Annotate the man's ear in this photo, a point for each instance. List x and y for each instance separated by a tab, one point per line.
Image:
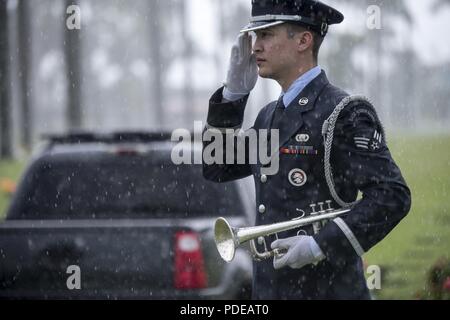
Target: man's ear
305	41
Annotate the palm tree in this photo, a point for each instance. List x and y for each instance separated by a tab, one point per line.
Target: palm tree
72	47
157	58
5	107
25	53
188	52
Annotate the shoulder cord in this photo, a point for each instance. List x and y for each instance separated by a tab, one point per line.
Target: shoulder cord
328	135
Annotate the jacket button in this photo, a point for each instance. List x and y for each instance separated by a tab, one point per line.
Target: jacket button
262	208
263	178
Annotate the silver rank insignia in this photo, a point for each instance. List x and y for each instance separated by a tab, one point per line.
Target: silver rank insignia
369	144
362	142
375	144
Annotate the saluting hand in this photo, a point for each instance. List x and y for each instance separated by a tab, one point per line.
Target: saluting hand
242	72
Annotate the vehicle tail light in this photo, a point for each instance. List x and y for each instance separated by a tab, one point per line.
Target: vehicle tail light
189	264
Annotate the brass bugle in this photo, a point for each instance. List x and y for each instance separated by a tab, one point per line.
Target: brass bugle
228	239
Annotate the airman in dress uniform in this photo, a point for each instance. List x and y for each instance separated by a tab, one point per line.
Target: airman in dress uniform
332	147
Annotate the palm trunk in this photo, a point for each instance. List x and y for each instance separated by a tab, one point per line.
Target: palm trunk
25	49
5	106
72	47
155	55
188	92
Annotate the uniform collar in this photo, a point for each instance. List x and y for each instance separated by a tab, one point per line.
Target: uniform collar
292	119
306	99
298	85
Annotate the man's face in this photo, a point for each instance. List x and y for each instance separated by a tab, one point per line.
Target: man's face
276	53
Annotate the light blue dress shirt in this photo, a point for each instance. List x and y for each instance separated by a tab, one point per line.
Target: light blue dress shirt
298	85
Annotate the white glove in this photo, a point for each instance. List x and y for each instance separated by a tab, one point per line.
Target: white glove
242	71
301	251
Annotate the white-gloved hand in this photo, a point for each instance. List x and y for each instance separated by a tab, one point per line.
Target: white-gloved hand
242	71
301	251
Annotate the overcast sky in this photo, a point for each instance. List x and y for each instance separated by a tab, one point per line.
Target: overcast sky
430	34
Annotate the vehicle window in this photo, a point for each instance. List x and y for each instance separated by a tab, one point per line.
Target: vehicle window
127	187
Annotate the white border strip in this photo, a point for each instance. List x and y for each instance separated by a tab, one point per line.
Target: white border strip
350	236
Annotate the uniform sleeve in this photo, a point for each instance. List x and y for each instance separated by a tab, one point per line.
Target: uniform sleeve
223	116
361	161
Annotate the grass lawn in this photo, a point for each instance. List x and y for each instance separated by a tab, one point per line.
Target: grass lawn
406	255
10	171
422	237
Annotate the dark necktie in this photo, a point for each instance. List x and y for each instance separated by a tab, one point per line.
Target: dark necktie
278	114
276	120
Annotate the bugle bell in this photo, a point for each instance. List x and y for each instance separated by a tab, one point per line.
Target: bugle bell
228	239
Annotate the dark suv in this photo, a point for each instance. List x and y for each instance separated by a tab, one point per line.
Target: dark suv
134	224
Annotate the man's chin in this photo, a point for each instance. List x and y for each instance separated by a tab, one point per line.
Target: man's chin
264	74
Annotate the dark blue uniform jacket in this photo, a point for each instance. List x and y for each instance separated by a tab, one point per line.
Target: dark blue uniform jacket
361	162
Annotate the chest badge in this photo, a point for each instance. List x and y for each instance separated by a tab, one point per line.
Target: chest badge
302	138
303	101
297	177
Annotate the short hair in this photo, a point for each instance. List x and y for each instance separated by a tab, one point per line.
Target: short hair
293	29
